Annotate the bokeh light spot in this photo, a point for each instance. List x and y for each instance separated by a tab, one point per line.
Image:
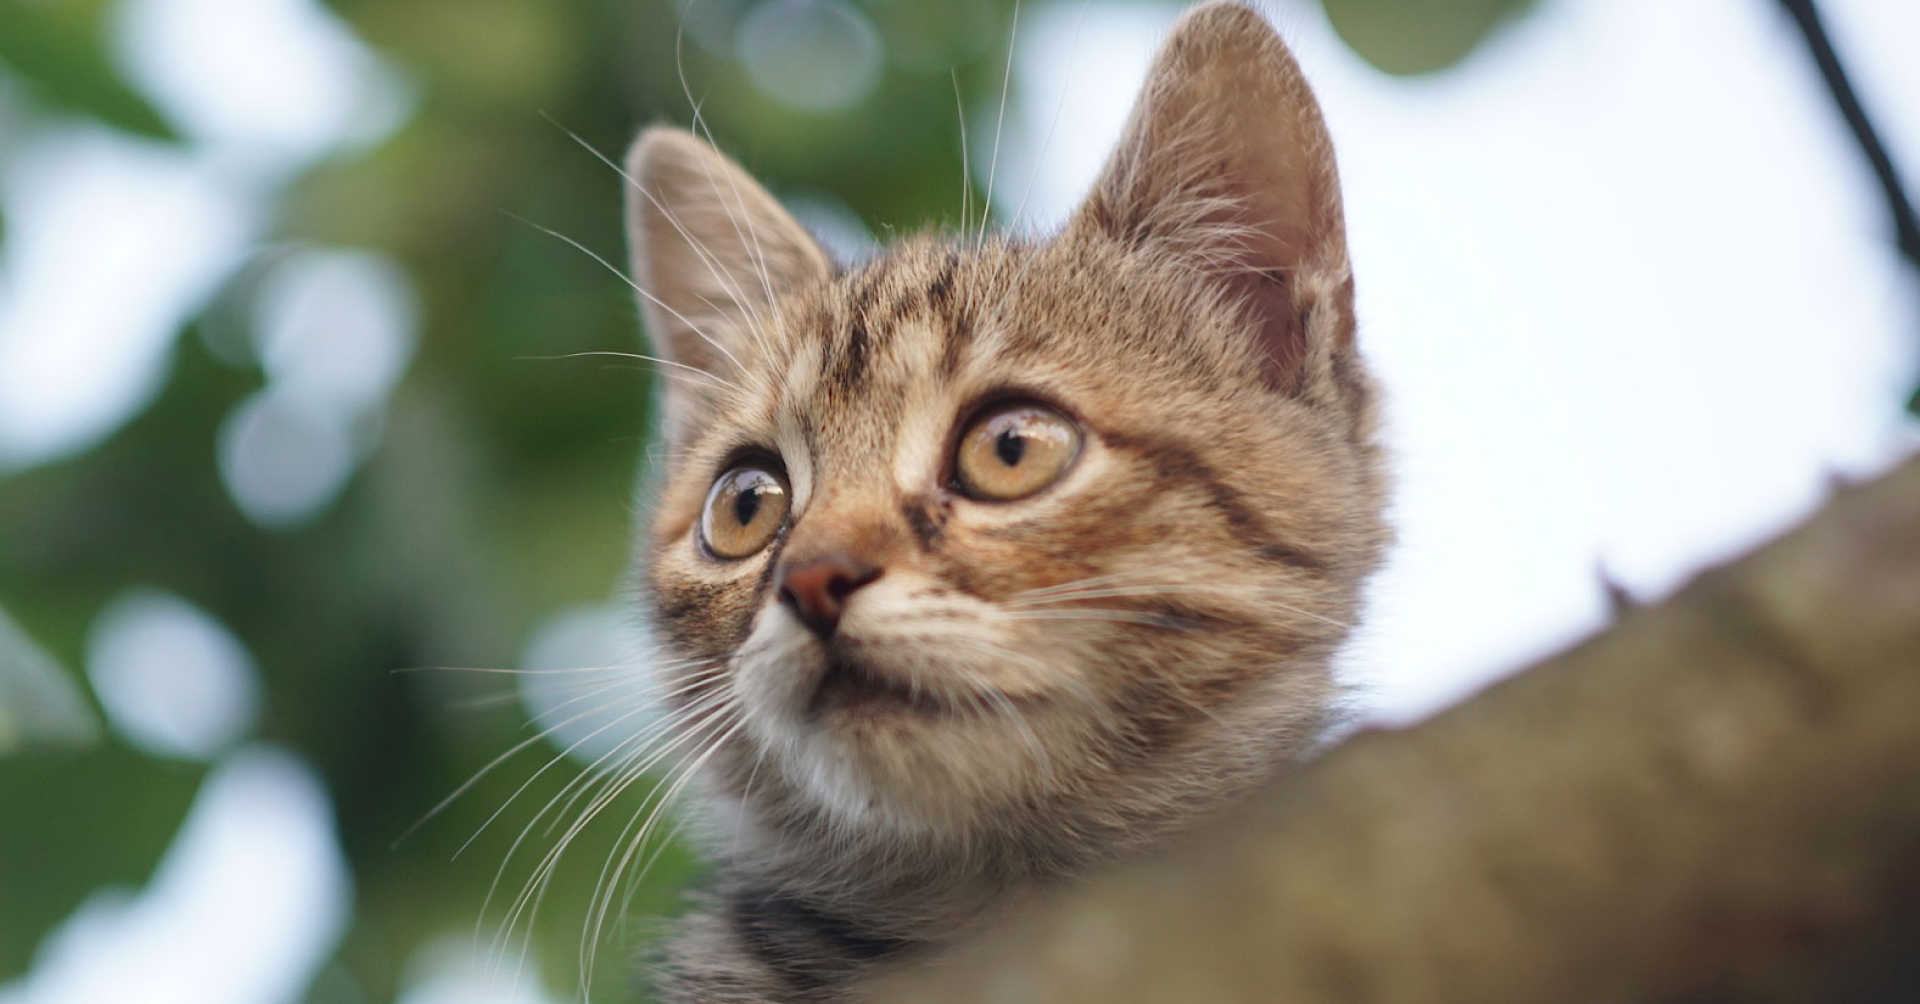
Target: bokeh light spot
452	971
283	459
814	55
172	679
277	82
110	243
335	327
587	677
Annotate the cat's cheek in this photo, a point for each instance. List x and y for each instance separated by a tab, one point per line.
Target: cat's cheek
778	666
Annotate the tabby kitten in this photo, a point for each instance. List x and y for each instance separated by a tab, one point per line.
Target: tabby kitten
990	560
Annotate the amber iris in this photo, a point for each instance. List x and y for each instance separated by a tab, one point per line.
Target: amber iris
1011	451
745	509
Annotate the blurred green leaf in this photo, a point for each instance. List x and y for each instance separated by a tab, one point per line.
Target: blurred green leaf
60	48
101	817
497	489
39	703
1407	37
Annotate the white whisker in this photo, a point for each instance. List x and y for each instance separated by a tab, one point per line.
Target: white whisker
587	778
759	254
526	903
642	358
1066	84
966	167
636	287
1102	616
503	758
583	740
706	256
993	166
610	882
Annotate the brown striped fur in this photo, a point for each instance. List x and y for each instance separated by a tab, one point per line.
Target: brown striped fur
1195	318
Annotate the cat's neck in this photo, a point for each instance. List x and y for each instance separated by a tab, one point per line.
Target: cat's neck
860	896
912	889
780	929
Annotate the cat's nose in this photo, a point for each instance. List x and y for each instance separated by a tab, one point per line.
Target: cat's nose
816	590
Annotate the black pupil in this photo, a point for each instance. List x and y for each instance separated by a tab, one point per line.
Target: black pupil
746	505
1010	447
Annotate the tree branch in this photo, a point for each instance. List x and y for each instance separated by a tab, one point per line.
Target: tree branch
1716	800
1905	225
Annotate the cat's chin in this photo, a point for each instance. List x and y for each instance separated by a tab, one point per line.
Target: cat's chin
902	738
851	687
877	753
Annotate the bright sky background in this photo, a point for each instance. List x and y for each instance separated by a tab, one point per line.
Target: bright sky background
1623	274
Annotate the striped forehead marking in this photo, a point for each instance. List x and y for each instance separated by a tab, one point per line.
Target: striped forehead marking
867	382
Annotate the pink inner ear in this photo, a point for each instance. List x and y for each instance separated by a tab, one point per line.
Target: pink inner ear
1282	329
1278	225
1283	180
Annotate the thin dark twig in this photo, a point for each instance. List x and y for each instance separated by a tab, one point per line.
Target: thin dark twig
1906	226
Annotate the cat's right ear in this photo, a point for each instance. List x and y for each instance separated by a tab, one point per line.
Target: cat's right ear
711	252
1226	166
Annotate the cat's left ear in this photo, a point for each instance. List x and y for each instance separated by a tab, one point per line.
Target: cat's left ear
711	252
1226	164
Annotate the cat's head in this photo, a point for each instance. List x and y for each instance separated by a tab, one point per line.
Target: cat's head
995	538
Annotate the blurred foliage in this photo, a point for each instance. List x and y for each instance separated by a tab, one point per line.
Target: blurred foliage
40	705
101	817
57	48
501	488
1407	37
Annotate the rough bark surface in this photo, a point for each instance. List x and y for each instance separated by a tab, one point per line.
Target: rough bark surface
1718	799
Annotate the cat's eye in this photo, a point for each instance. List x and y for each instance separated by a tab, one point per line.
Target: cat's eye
1013	450
745	508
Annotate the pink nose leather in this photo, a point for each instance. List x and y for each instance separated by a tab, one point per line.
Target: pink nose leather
816	590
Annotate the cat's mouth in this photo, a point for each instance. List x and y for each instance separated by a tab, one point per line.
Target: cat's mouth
848	684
